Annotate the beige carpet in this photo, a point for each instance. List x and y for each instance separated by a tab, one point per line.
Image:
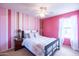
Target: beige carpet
20	52
64	51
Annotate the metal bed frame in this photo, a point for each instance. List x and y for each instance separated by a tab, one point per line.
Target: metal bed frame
52	51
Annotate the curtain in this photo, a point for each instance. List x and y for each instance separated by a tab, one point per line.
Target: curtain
74	34
68	28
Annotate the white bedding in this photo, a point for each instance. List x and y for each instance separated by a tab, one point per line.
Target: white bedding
36	45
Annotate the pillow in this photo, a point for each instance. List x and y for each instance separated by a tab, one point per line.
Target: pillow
37	34
32	35
27	35
27	31
34	31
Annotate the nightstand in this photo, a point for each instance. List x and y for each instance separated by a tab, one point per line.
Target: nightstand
18	44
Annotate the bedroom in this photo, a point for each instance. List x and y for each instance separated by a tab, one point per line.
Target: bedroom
50	20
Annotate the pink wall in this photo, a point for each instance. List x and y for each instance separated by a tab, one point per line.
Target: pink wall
9	28
10	21
78	28
24	21
51	25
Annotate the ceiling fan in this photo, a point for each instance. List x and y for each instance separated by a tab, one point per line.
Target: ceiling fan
43	11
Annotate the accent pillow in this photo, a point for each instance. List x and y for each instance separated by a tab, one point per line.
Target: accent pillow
27	35
37	34
32	35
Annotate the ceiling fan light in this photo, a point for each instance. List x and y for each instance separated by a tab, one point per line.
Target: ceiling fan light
42	15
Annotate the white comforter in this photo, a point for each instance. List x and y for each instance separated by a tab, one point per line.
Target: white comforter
36	45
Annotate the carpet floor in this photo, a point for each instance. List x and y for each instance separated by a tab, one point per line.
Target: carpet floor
64	51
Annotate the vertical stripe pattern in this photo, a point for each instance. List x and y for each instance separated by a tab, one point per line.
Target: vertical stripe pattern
10	21
9	28
3	29
18	20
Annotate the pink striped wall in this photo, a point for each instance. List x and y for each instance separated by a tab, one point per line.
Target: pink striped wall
3	29
13	27
24	22
10	21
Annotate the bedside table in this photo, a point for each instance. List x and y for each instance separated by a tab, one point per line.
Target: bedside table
18	44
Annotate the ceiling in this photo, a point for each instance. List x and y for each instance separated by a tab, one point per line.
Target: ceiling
32	9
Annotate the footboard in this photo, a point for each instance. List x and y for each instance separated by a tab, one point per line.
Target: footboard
52	47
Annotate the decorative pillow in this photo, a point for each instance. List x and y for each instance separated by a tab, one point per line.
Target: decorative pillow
34	31
27	35
37	34
32	35
27	31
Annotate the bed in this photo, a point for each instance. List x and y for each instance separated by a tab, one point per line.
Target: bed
41	46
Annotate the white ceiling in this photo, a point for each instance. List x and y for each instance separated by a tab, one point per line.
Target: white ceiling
53	9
